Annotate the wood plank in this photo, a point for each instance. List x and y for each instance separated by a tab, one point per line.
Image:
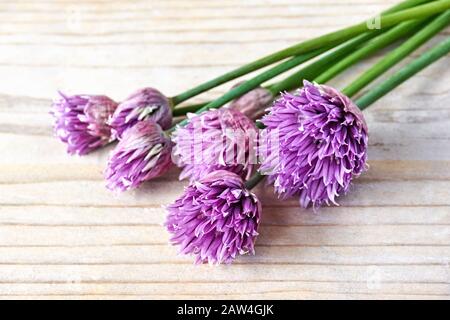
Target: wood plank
64	215
269	235
178	273
300	255
226	290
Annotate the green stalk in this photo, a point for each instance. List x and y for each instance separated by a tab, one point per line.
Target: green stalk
254	180
294	81
330	39
309	72
376	44
320	65
256	81
291	81
181	111
398	54
404	74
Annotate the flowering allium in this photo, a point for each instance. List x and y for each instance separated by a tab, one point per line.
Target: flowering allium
215	219
254	103
143	153
214	140
322	144
144	104
81	121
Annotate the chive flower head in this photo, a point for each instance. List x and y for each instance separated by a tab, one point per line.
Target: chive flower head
322	138
144	104
218	139
143	153
80	121
216	219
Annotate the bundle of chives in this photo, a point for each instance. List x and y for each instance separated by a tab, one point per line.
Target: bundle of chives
216	218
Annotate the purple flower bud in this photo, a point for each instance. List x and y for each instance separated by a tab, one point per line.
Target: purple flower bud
219	139
144	104
81	121
143	153
253	103
215	219
322	144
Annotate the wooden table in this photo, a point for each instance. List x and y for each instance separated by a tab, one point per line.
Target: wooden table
63	235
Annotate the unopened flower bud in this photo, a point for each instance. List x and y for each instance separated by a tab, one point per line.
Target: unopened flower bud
145	104
81	121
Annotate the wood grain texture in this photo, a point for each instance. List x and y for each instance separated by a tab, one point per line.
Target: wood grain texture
62	235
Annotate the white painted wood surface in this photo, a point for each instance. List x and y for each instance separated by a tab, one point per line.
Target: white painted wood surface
62	235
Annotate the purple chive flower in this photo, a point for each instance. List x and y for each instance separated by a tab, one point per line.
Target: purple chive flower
144	104
253	103
143	153
215	219
81	121
322	144
215	140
